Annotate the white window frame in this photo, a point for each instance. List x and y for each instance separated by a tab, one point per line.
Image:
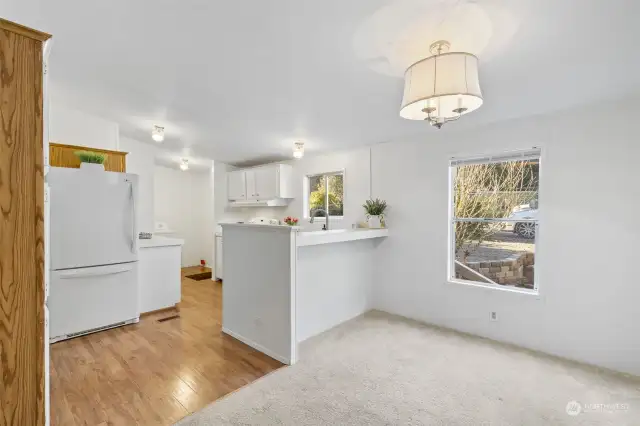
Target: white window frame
305	195
530	154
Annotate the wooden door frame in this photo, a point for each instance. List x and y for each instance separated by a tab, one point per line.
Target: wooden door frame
22	378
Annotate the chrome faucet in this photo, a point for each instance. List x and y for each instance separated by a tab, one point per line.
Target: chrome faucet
326	216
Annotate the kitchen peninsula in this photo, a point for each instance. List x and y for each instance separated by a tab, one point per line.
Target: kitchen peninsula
283	285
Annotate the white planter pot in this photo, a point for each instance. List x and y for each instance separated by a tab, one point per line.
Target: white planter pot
374	222
92	166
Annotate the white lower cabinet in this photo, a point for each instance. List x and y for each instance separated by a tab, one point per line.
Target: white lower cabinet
160	279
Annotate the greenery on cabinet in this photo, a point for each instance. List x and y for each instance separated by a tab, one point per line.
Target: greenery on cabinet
91	157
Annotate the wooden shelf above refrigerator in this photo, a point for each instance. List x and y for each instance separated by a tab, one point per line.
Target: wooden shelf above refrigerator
61	155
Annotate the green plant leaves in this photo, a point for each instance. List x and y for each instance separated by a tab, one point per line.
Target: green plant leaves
91	157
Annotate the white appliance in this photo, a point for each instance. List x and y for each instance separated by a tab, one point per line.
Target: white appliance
263	221
94	251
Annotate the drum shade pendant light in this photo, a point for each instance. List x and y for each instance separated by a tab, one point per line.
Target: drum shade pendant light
442	87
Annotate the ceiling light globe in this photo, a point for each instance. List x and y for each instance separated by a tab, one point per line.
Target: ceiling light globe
157	134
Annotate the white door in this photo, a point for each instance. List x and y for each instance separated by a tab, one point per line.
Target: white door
251	184
88	298
93	218
266	182
236	188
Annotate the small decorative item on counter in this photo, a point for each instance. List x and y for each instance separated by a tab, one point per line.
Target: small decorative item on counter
291	221
374	210
91	160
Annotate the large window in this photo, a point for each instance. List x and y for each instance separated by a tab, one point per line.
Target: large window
494	219
325	194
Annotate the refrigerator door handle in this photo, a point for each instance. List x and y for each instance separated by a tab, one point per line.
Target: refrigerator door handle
134	237
94	272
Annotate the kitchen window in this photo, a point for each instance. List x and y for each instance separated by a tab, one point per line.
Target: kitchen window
324	193
493	223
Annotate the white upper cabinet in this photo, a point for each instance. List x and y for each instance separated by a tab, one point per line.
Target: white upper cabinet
236	187
263	183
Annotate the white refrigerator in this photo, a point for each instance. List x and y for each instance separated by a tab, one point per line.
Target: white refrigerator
94	251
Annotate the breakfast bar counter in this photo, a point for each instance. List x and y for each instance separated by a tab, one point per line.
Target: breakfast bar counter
284	285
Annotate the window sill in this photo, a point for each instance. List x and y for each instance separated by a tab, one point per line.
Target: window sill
528	292
322	219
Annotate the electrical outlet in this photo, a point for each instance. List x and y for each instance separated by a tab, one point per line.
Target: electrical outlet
493	316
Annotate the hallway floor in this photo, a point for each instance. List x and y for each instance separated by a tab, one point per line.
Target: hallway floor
153	373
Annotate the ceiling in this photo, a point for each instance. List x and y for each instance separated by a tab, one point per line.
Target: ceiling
239	81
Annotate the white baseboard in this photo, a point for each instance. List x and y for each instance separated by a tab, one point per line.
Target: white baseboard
257	346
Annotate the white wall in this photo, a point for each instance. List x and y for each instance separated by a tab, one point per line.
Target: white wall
334	283
589	301
74	127
184	201
258	296
140	161
355	164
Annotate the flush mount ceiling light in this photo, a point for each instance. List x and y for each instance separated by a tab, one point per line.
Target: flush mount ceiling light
184	165
442	87
298	149
157	134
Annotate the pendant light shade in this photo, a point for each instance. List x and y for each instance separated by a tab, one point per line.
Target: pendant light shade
441	88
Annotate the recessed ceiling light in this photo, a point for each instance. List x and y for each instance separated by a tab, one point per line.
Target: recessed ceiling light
157	134
298	149
184	165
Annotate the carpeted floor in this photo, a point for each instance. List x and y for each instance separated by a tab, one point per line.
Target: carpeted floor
383	370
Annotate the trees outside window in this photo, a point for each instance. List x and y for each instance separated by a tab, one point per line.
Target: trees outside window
326	190
494	218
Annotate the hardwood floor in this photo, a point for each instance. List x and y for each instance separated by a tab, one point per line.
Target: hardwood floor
153	373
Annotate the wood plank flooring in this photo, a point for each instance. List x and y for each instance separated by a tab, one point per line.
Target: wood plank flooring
153	373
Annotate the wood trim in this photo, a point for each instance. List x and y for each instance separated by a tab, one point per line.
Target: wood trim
87	148
61	155
21	230
23	31
159	311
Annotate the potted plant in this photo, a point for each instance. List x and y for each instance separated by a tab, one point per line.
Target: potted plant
291	221
374	210
91	160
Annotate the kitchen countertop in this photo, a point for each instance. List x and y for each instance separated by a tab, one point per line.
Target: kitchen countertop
158	241
312	238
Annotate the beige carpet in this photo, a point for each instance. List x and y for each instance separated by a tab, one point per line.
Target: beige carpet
384	370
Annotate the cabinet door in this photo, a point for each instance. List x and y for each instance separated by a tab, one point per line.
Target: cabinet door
252	188
266	179
236	188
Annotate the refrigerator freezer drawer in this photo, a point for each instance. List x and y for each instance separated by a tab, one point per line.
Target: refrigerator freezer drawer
89	298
